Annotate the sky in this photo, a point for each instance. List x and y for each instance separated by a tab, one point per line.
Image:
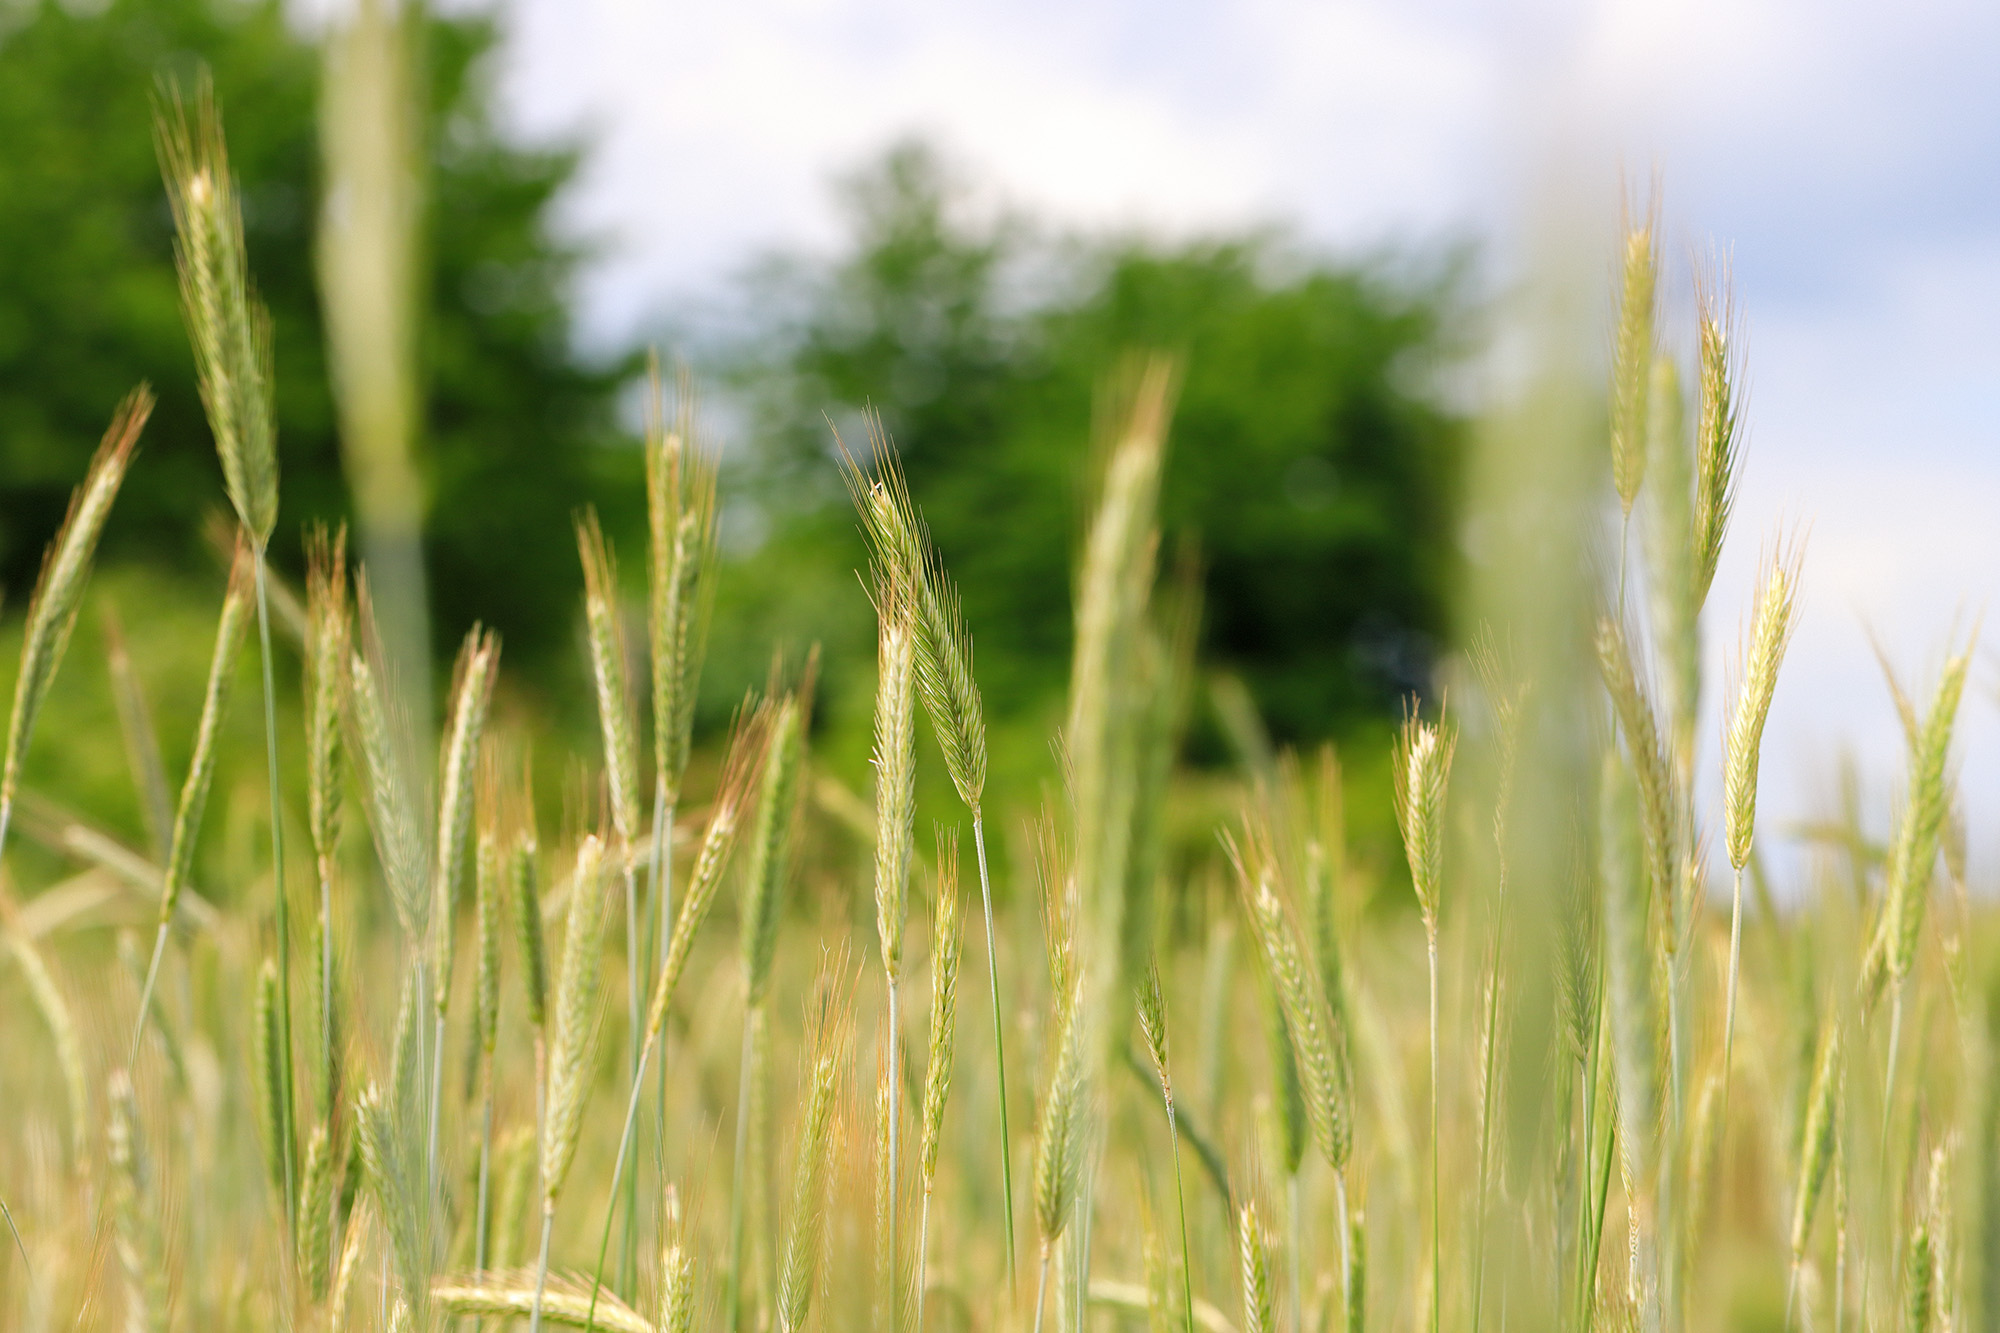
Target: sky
1842	153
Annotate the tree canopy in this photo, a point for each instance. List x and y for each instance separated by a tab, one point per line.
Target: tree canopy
1311	469
513	417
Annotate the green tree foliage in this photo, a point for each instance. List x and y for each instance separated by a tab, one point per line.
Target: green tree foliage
512	417
1312	463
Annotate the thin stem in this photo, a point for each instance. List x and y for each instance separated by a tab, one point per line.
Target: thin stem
1603	1200
1889	1084
1624	536
895	1107
437	1101
636	962
733	1295
1349	1297
1491	1054
326	976
542	1264
283	920
1791	1293
923	1251
479	1220
617	1174
1588	1218
146	993
1298	1250
1041	1287
1729	1004
1437	1228
1180	1203
999	1048
663	916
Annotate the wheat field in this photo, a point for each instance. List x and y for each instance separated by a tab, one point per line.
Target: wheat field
725	1047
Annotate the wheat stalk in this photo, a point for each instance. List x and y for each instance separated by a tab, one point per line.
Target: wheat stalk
1422	768
895	818
229	632
1153	1024
742	761
942	665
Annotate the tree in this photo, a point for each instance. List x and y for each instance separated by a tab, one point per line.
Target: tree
513	419
1312	466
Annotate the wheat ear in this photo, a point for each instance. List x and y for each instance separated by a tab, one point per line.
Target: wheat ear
676	1289
1717	443
1632	357
135	1232
1059	1145
828	1019
1816	1149
378	744
573	1053
1771	631
329	644
947	935
1254	1254
58	595
895	819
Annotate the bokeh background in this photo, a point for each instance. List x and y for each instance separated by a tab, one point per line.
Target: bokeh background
963	217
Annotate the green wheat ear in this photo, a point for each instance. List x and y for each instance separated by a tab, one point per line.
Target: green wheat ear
228	325
58	596
1632	357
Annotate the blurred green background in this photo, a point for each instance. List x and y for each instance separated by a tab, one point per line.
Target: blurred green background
1311	480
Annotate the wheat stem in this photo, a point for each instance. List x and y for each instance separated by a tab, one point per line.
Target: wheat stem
923	1251
617	1174
282	923
637	960
1295	1242
481	1213
542	1265
1729	1001
1437	1229
733	1291
895	1102
1042	1286
999	1042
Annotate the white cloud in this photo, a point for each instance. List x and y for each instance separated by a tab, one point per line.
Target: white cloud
1842	147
